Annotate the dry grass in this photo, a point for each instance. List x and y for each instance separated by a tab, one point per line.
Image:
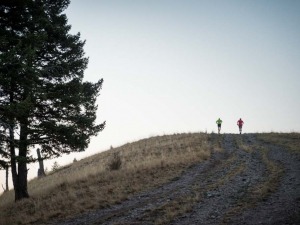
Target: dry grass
241	145
216	141
112	176
172	209
275	172
92	183
289	141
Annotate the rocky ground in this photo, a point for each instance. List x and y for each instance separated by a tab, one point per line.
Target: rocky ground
250	182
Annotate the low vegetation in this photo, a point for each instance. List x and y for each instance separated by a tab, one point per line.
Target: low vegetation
113	176
289	141
107	178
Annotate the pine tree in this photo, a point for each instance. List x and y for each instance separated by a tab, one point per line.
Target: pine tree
43	97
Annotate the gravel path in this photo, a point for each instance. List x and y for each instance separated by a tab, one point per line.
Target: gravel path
222	190
283	205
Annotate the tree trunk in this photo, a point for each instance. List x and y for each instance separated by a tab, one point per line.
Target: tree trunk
6	188
13	156
21	188
20	176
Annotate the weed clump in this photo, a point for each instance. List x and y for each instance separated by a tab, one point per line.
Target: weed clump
116	162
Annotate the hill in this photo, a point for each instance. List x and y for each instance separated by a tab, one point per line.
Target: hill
180	179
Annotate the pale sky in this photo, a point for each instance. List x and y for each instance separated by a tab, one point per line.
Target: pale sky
173	66
176	66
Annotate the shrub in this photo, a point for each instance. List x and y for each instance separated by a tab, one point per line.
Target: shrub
116	162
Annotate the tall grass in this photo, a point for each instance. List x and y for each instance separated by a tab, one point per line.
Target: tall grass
97	182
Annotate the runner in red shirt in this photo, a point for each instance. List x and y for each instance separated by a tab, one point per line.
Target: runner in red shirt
240	123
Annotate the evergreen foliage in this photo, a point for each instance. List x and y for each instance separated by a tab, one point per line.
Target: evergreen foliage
43	97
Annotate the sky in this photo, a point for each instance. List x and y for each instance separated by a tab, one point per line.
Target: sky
175	66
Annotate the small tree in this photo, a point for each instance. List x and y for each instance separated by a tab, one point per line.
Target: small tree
55	166
41	170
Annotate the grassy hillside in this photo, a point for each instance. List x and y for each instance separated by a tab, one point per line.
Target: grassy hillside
107	178
113	176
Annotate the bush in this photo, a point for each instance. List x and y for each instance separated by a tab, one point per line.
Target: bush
116	162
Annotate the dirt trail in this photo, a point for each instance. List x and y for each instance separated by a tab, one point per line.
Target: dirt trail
237	186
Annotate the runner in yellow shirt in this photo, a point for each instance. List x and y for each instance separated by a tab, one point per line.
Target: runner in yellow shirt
219	123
